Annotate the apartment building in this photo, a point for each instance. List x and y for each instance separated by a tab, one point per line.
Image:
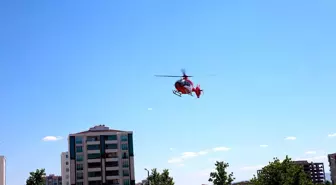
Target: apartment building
315	170
53	180
101	156
65	168
2	170
332	165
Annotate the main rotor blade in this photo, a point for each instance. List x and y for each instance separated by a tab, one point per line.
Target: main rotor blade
167	76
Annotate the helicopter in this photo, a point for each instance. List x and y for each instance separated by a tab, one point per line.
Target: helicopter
184	85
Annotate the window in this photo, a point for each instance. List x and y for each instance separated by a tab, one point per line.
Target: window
112	146
79	140
112	182
79	175
69	184
66	156
94	174
125	173
112	164
125	164
79	166
79	158
94	156
92	138
67	170
93	147
78	183
67	163
126	182
79	149
95	182
124	146
112	173
110	138
94	165
125	156
124	138
112	155
67	176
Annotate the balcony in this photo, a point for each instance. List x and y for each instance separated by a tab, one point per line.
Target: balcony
111	141
112	177
94	178
112	168
93	151
93	160
111	150
89	142
111	159
94	169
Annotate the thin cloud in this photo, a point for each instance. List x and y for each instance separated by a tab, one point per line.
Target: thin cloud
187	155
217	149
204	152
290	138
150	109
332	135
263	146
310	152
52	138
175	160
252	168
171	149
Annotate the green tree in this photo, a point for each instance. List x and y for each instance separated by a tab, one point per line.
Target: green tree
327	182
282	173
37	177
157	178
220	176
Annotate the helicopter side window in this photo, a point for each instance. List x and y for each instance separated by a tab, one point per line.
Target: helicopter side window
186	83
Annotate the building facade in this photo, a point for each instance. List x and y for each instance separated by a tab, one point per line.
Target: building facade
53	180
101	156
332	165
2	170
65	168
314	170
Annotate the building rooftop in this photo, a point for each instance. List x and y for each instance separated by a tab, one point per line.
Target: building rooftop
100	128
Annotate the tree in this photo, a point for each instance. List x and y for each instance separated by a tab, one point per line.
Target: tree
220	176
157	178
37	177
327	182
282	173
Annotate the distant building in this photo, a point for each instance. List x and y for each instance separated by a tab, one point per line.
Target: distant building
53	180
65	168
332	165
314	170
2	170
143	182
242	183
101	156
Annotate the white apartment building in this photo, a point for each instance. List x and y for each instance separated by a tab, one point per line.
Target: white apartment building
2	170
101	156
65	168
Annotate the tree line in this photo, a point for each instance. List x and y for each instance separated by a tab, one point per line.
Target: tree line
277	172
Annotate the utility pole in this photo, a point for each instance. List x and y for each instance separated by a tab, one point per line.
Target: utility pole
147	176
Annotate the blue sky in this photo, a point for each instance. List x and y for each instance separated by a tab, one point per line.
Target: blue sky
68	65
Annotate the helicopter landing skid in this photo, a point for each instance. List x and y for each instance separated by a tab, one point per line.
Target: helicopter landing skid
177	93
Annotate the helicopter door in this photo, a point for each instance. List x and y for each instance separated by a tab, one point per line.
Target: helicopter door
187	85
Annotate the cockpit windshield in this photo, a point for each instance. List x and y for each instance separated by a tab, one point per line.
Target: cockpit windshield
185	82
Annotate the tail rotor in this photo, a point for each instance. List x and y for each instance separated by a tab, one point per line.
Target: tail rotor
198	91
